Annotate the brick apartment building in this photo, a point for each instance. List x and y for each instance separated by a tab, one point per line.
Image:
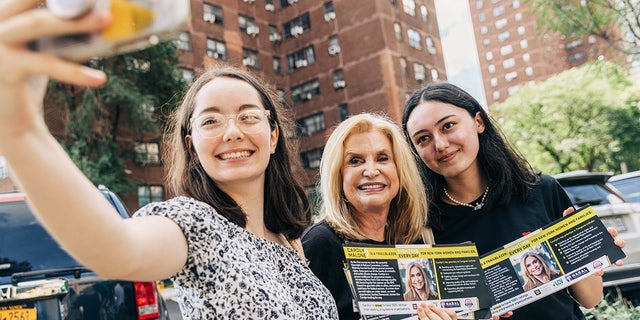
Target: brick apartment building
512	52
327	59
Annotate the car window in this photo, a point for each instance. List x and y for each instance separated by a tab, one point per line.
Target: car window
592	194
25	245
630	187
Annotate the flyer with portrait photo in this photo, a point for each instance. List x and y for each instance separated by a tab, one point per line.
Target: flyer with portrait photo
388	282
548	260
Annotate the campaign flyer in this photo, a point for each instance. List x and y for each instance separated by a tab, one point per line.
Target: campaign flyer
388	281
548	260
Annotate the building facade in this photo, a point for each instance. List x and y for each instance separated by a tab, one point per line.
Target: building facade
513	52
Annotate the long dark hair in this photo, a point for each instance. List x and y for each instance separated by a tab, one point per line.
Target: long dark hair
287	208
509	174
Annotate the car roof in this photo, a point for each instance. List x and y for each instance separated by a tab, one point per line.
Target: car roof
582	176
625	175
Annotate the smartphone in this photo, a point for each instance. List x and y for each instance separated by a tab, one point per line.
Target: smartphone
135	25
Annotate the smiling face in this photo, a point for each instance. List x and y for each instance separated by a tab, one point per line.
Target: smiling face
534	266
234	156
446	137
370	178
417	278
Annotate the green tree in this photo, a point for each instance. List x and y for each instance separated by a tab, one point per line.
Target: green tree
142	87
584	118
615	21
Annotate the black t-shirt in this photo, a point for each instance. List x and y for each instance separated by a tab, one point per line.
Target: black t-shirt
492	228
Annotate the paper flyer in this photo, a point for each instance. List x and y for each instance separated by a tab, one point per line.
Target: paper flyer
548	260
389	281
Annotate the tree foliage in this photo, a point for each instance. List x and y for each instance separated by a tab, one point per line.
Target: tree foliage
584	118
141	87
615	21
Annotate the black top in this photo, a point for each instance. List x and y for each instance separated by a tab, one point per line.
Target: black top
492	228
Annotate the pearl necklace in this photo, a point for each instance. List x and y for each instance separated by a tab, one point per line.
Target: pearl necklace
475	207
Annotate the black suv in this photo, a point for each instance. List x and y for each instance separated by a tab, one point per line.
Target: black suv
39	280
593	188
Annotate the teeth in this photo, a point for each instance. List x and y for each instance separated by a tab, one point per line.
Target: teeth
235	155
374	186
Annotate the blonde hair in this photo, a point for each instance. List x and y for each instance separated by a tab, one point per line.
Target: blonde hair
411	293
408	209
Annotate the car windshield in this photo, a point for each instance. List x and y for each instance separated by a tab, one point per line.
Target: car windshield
25	245
592	194
630	187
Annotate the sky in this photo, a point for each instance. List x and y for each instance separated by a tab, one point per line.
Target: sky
459	47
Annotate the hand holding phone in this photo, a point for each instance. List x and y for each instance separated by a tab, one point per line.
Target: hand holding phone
136	24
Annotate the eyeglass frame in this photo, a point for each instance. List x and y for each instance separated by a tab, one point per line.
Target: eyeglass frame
227	117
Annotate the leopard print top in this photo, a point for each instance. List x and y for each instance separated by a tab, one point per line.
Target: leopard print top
232	274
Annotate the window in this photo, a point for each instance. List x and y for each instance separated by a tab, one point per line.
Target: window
184	41
489	55
528	71
479	4
212	14
305	91
526	57
403	67
524	44
577	56
297	26
311	159
311	124
398	31
424	12
511	76
501	23
250	58
518	16
494	82
274	35
343	111
409	7
499	10
334	45
521	30
187	74
502	36
148	194
277	65
486	42
430	46
147	153
508	49
301	58
286	3
434	74
484	30
338	79
216	49
414	39
509	63
511	90
4	169
496	95
516	4
247	25
418	72
574	44
491	68
482	17
329	12
282	96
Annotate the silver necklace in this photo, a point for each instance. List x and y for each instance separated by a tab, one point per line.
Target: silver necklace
475	207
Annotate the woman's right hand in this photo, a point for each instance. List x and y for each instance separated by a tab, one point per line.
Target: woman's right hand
428	311
24	73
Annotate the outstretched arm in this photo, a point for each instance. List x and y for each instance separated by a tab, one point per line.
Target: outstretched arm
66	202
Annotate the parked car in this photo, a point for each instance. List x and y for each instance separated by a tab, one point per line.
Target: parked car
39	280
629	184
593	188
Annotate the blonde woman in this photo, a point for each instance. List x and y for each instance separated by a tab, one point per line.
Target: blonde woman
417	284
535	271
372	193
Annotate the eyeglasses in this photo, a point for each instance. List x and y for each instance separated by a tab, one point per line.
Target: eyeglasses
212	124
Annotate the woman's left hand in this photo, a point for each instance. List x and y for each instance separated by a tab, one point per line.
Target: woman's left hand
428	311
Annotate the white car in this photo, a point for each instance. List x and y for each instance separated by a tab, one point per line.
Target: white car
628	184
